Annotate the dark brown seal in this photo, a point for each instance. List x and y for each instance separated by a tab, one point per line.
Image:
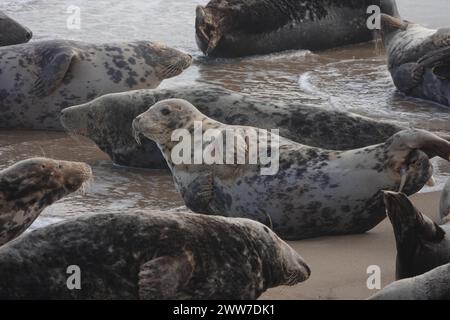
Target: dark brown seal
149	256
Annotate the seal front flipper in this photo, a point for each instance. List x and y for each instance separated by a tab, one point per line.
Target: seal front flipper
199	194
408	76
164	277
439	62
54	63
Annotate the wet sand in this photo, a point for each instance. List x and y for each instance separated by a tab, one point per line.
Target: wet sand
339	264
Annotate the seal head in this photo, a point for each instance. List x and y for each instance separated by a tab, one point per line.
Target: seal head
29	186
12	32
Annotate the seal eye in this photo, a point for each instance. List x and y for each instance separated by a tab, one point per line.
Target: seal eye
43	166
165	111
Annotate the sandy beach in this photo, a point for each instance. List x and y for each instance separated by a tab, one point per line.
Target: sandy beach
343	274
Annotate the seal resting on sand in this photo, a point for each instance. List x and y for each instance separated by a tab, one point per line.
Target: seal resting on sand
422	245
153	256
39	79
29	186
107	121
304	191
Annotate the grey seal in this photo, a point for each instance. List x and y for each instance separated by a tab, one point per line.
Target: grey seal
12	32
236	28
39	79
422	245
107	121
31	185
149	256
433	285
418	59
315	192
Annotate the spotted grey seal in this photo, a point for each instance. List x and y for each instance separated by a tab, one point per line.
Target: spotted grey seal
315	192
421	244
39	79
445	202
12	32
149	256
107	121
418	58
235	28
29	186
433	285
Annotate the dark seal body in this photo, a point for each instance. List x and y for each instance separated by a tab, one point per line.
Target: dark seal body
315	192
29	186
422	245
418	58
107	121
433	285
39	79
12	32
236	28
149	256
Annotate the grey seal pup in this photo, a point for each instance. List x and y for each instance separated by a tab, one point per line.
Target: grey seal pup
31	185
12	32
236	28
107	121
312	192
155	256
433	285
422	245
39	79
418	59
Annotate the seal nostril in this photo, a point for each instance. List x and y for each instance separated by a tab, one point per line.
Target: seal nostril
29	35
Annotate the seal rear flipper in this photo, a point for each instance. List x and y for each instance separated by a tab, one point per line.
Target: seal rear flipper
208	29
54	65
162	278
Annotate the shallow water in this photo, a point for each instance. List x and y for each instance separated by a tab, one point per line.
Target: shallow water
353	78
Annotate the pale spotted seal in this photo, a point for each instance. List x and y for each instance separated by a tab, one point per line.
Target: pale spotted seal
107	121
29	186
418	58
433	285
38	80
12	32
421	244
445	202
149	256
315	192
235	28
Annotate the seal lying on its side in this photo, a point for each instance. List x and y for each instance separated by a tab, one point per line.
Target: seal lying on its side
419	59
236	28
315	192
12	32
29	186
149	256
421	244
445	202
433	285
39	79
107	121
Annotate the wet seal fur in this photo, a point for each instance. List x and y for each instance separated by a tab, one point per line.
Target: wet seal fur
236	28
12	32
107	121
445	203
316	192
39	79
150	256
422	245
418	58
29	186
433	285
